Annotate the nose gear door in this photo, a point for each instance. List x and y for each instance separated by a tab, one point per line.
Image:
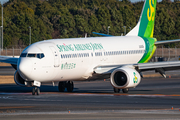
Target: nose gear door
56	56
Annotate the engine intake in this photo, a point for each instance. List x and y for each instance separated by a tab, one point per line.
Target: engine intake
120	78
125	77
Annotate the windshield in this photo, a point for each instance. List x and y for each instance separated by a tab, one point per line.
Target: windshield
33	55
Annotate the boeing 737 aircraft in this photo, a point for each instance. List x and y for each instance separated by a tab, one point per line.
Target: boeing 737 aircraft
120	58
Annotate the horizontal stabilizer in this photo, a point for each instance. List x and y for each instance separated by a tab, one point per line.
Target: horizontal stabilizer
166	42
102	34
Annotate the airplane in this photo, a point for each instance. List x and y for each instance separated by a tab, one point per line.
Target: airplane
120	58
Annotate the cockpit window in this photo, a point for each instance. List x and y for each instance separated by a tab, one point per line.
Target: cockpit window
23	55
33	55
40	55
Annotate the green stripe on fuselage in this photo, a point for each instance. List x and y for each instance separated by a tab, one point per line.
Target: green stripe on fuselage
150	49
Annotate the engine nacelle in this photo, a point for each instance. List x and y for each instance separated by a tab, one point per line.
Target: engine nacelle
20	81
125	77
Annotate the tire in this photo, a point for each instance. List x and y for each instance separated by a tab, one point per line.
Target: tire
38	91
33	91
126	90
70	86
61	86
116	90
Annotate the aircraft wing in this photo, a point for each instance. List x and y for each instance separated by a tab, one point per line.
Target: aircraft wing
160	67
10	60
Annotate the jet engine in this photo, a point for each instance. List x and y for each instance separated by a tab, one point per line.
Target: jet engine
125	77
20	81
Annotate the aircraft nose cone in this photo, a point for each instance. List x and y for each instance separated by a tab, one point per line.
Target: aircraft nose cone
24	68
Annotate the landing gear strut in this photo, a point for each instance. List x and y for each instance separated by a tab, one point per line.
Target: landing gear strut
69	85
36	91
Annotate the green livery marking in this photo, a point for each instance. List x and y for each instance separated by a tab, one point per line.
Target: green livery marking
146	28
135	79
68	66
150	49
79	47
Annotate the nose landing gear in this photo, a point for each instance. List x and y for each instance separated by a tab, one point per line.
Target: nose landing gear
36	91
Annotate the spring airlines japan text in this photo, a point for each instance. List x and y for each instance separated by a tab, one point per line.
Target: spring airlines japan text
80	47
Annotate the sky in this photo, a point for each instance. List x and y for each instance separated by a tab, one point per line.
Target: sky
3	1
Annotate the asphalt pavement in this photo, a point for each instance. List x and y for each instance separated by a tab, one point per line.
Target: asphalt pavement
156	98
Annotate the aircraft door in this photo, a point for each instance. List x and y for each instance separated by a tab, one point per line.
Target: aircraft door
56	56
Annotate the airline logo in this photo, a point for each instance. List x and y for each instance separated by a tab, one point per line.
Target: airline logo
146	28
68	66
151	11
135	79
79	47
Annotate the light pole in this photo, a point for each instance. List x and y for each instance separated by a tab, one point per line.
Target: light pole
124	30
29	35
108	30
2	27
1	37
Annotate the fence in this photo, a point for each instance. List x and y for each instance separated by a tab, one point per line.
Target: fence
11	52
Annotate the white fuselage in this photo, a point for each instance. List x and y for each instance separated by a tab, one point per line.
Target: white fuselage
75	59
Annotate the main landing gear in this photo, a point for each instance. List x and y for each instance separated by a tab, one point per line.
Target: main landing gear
116	90
36	91
67	84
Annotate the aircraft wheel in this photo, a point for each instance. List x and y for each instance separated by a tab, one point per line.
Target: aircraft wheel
38	91
33	91
116	90
70	86
61	86
126	90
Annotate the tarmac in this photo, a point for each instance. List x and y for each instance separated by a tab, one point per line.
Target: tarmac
154	98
